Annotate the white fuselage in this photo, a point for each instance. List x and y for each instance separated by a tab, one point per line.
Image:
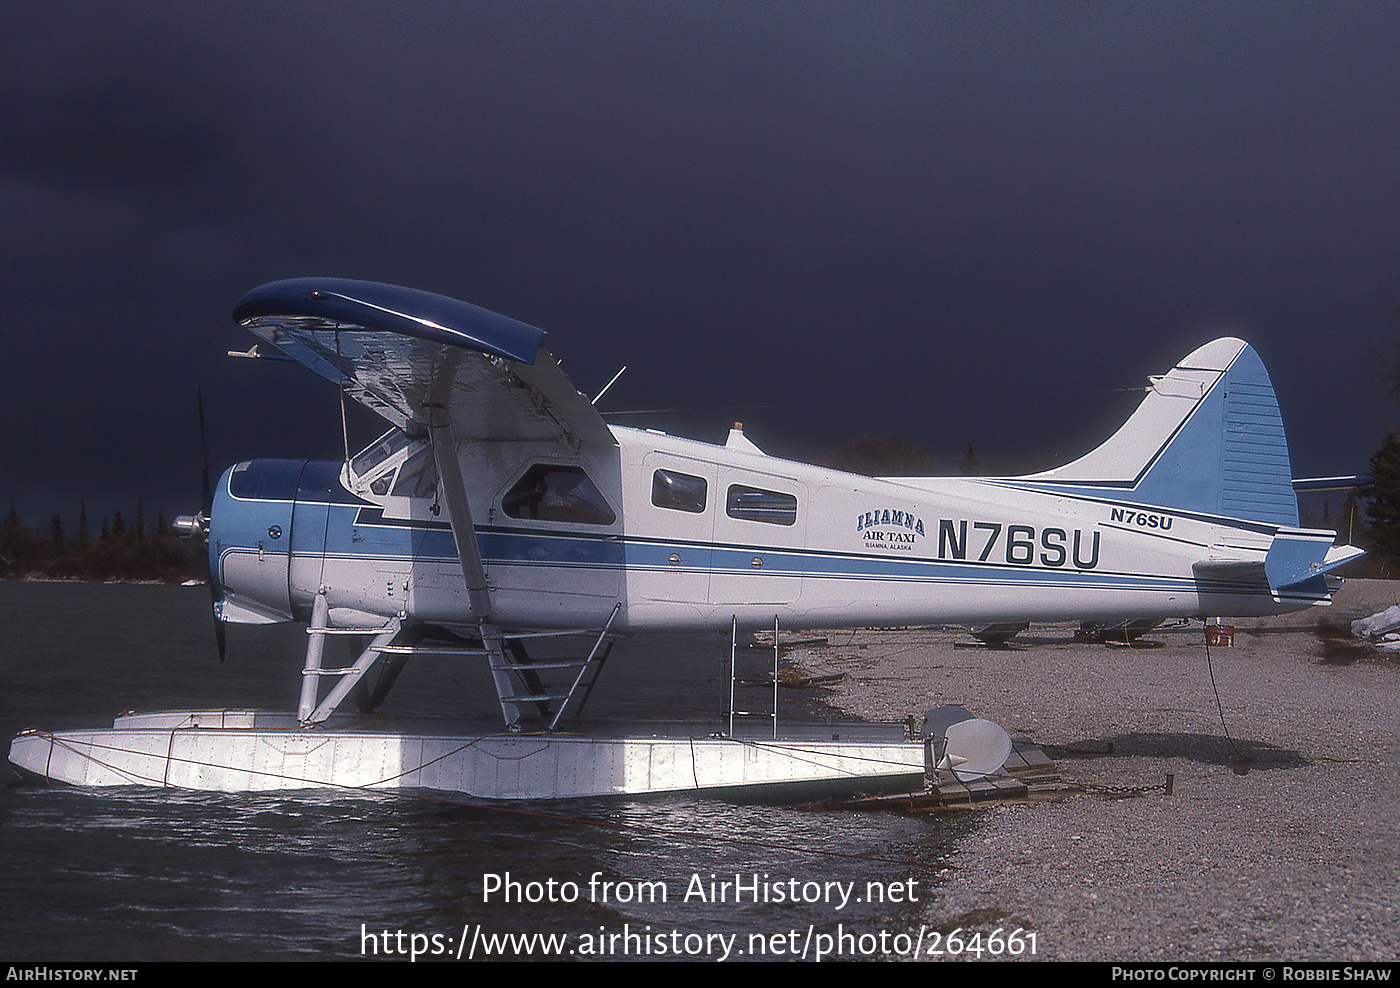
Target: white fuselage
702	535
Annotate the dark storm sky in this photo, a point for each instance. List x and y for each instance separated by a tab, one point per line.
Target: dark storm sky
956	221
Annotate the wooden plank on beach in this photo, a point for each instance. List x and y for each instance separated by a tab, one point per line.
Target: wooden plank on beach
1028	773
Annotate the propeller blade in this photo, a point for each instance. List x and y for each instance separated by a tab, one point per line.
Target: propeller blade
207	506
208	494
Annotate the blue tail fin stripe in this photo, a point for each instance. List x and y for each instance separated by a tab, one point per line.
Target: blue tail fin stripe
1227	455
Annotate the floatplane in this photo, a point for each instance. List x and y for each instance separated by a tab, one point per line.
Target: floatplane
500	509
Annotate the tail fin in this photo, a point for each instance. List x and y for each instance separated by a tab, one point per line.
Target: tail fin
1208	438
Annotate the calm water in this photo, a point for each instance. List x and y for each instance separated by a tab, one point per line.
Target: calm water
133	874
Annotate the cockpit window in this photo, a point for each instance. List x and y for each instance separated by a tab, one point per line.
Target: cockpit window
378	451
395	461
418	476
557	493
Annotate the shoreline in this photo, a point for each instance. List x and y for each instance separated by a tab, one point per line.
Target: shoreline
30	578
1278	842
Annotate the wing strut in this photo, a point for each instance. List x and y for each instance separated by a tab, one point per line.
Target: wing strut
459	515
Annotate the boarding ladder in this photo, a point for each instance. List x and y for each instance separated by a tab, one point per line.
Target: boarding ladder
517	675
520	687
735	681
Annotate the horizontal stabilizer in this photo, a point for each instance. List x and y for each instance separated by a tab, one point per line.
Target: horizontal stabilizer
1339	555
1295	556
1347	483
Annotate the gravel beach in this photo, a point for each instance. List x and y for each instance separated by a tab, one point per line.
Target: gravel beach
1279	841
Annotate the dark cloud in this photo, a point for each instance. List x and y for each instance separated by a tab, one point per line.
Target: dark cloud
961	222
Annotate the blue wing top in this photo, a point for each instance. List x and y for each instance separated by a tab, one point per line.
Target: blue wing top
392	309
400	352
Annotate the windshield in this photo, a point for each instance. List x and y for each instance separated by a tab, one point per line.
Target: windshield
377	452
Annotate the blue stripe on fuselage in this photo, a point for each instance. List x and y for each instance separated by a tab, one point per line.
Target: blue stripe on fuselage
357	530
365	533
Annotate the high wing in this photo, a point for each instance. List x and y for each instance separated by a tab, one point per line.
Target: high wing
405	353
478	385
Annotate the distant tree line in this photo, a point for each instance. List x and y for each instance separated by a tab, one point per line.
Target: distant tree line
1369	517
145	550
122	550
1378	531
893	455
880	456
1382	528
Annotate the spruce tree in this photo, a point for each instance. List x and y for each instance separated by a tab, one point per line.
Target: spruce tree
1383	496
10	533
56	534
84	535
876	456
969	466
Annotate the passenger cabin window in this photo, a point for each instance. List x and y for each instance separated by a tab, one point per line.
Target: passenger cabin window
754	504
557	493
678	491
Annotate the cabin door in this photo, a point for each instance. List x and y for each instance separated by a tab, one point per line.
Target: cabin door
760	537
669	539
